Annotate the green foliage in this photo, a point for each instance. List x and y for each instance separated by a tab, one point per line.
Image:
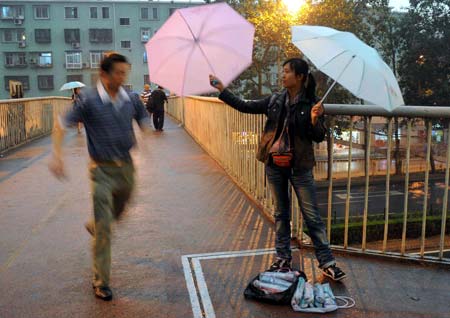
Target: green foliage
425	60
273	40
375	229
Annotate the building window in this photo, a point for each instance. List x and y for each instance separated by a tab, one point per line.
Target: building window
44	59
145	34
71	12
144	14
125	44
124	21
15	59
172	10
11	12
155	13
95	59
145	57
41	12
42	35
75	78
105	12
93	12
12	35
25	80
73	60
147	79
100	35
72	35
45	82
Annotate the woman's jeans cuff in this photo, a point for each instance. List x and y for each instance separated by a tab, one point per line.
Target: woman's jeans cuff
328	264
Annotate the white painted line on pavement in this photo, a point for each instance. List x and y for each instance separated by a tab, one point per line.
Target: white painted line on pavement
203	289
191	287
205	299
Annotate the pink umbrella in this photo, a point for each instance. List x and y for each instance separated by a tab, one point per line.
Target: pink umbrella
196	42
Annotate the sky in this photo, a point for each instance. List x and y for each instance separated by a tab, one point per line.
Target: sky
397	4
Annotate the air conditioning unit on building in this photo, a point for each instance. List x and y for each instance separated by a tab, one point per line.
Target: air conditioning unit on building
75	45
22	44
85	65
33	61
18	21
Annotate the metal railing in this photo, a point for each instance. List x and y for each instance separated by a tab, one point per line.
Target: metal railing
22	120
395	229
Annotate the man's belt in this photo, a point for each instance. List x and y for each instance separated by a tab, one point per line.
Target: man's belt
110	163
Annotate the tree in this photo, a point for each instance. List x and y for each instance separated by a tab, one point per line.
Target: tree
272	42
425	62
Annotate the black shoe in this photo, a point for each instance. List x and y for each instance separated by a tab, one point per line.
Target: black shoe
334	272
280	265
90	228
103	293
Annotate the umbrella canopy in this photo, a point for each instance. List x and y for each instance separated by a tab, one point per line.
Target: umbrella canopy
198	41
350	62
71	85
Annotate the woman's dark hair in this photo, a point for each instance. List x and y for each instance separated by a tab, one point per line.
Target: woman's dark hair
299	67
109	60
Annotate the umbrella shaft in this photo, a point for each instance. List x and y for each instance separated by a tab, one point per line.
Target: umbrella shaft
335	81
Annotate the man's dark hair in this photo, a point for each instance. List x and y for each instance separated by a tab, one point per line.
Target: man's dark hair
107	63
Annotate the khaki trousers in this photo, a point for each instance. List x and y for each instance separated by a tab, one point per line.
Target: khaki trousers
112	185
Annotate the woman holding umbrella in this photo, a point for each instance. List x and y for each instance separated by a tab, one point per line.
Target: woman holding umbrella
294	121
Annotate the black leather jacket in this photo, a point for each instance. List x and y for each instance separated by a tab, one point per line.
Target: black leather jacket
304	133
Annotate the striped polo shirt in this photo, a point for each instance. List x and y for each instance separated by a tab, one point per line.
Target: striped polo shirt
108	123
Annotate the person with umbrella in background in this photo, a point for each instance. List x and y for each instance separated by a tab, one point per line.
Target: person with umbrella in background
107	112
294	121
75	93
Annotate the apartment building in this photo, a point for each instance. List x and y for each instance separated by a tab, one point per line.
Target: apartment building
44	44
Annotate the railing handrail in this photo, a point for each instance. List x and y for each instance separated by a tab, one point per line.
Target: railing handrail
28	99
218	129
401	111
408	111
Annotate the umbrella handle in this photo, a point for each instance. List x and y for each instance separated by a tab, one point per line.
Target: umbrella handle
328	91
335	81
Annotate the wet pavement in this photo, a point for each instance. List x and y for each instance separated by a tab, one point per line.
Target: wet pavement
178	250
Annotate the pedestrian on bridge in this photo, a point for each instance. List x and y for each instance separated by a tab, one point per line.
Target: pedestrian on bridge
156	105
294	121
107	112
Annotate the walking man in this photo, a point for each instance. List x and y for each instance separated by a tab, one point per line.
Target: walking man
156	101
107	112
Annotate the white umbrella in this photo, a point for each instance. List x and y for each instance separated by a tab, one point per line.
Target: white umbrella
350	62
71	85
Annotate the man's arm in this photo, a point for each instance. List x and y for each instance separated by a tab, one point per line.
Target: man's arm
141	115
72	118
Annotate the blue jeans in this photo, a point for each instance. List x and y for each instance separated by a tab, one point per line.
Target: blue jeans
302	181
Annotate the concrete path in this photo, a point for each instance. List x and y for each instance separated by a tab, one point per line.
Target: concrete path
184	205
